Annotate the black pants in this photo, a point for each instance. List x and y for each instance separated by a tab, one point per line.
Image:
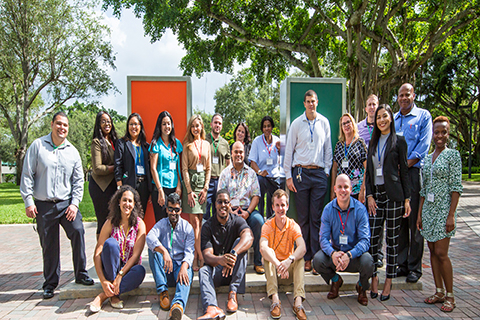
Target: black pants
268	186
160	212
100	200
144	192
50	216
410	244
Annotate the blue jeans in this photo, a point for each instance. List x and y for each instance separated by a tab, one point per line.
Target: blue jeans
255	221
164	280
111	264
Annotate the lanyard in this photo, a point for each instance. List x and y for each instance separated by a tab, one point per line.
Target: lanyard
171	238
370	130
347	150
199	151
139	151
311	127
215	147
266	145
124	242
379	154
341	221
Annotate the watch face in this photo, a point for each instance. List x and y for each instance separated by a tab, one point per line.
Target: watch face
233	252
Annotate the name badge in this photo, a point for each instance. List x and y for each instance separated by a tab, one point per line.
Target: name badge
269	161
310	145
343	239
140	170
215	160
379	172
399	133
199	167
430	197
52	156
345	164
172	165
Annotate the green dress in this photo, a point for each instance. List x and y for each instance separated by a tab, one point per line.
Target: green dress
445	179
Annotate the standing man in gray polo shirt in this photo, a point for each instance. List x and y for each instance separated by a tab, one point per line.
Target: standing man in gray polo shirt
220	156
307	164
52	188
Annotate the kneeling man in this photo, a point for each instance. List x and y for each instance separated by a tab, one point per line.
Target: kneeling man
279	236
171	243
226	238
344	241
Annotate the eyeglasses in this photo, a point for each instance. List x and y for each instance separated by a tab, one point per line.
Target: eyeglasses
177	210
223	202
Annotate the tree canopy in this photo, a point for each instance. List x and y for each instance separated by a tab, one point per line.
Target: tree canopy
50	51
376	45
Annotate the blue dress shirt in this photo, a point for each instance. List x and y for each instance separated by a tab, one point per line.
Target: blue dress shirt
416	127
357	228
180	241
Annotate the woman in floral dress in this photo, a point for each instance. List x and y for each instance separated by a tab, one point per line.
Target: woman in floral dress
442	186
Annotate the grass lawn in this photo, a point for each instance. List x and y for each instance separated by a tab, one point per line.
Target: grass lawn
475	177
12	208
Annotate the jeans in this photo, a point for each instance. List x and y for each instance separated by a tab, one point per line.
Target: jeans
255	221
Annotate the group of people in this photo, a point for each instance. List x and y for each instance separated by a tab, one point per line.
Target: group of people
376	173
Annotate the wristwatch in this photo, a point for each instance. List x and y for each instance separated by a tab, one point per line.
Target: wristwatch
259	171
121	273
233	252
292	257
349	254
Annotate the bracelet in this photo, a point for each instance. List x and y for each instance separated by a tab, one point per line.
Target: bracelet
349	254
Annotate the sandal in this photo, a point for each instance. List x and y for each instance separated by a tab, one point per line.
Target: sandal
448	306
438	297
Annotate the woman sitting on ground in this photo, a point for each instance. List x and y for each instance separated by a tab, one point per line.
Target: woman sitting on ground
118	252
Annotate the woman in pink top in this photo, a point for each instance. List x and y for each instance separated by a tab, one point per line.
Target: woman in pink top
118	252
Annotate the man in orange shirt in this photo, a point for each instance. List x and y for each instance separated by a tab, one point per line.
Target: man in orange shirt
279	235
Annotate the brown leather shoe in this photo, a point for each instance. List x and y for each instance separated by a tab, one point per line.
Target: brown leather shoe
176	312
213	313
164	300
362	296
259	269
232	304
299	313
334	287
308	265
276	310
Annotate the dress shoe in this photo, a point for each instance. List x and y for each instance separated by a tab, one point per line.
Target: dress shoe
299	312
232	304
259	269
276	310
334	287
314	272
213	313
385	298
176	312
362	296
308	265
164	300
48	294
85	281
413	277
93	308
401	272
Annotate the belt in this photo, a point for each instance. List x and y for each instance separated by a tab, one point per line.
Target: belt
53	200
140	178
214	178
309	167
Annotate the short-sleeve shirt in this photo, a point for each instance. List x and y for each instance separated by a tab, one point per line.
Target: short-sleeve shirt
356	155
218	148
262	152
241	185
222	237
281	241
168	178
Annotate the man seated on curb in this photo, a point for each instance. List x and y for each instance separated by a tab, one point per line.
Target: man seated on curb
344	241
171	244
242	185
279	235
226	239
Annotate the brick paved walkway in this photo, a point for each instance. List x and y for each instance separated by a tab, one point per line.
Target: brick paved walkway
21	280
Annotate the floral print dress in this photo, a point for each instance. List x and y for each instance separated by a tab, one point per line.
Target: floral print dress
441	178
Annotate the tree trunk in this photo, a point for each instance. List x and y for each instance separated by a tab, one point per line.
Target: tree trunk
20	156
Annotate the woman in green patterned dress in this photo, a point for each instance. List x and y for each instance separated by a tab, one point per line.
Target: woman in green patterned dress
442	186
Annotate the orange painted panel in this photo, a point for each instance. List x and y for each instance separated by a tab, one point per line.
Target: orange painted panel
149	98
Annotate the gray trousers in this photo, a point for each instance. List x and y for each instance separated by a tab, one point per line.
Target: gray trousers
363	265
50	216
211	277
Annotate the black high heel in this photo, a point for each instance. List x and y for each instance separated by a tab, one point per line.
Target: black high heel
385	298
374	295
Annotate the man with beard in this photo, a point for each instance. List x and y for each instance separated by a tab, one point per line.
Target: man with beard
171	244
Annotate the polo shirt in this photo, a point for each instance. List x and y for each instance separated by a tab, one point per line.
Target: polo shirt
281	241
221	237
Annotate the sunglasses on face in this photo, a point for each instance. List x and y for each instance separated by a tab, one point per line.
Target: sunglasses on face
176	210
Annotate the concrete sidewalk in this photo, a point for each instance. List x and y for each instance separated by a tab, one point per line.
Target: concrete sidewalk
21	280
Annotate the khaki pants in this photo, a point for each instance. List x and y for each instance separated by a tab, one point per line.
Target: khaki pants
296	271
